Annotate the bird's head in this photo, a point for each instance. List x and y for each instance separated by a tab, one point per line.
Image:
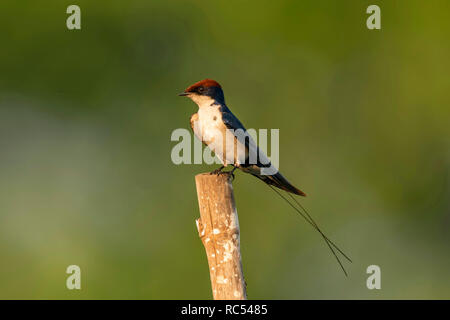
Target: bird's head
205	92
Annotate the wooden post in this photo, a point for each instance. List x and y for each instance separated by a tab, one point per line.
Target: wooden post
218	228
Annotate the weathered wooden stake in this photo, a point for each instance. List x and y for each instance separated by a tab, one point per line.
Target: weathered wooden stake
218	227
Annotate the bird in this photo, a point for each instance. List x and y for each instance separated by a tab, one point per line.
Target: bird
211	124
217	127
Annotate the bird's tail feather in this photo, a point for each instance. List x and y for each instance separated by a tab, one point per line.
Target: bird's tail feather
304	213
277	180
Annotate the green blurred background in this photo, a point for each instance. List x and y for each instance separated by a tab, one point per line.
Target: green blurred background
85	124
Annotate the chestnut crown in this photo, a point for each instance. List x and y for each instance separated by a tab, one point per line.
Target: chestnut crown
207	87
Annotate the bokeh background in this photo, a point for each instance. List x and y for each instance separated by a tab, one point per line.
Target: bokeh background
85	124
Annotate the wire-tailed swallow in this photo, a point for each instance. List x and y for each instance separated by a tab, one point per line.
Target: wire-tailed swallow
211	124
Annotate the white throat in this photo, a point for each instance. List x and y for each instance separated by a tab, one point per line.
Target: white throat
202	101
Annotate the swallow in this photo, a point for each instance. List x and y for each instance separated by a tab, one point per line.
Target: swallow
213	123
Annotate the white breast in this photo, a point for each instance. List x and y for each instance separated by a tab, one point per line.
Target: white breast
210	123
211	130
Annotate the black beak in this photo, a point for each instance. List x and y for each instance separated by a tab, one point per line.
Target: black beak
183	94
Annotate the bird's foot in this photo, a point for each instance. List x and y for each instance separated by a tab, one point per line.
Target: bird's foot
231	173
217	171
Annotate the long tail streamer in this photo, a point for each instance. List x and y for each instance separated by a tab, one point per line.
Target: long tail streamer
311	221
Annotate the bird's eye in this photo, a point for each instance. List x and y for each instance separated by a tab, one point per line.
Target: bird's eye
201	89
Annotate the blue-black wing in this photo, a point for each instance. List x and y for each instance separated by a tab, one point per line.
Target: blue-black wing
230	120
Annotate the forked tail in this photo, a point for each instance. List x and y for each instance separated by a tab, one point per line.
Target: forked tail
277	180
311	221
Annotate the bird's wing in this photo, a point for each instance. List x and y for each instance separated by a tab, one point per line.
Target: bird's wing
263	161
231	122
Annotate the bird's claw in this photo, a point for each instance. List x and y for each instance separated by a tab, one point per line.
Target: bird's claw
217	171
228	173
